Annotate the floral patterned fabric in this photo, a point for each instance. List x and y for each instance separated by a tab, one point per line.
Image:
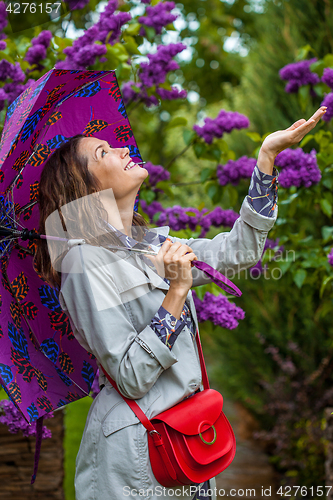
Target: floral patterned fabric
263	192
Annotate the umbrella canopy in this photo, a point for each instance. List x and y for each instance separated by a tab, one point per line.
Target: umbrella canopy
42	366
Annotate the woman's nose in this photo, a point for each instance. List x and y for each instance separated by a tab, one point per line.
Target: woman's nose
124	152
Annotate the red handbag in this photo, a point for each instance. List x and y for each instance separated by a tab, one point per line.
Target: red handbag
191	442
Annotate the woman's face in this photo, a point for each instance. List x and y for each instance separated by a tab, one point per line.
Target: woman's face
108	165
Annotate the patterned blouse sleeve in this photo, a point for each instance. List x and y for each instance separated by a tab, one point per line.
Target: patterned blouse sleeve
166	326
263	189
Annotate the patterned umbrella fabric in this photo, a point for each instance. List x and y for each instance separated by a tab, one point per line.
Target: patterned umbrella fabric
42	366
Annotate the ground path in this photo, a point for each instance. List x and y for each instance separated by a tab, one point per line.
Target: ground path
250	468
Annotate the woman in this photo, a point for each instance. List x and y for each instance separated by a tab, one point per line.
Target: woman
136	314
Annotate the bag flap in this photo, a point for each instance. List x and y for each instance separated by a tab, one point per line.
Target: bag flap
214	443
188	416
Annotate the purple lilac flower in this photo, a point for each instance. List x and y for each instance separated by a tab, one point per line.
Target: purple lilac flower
13	418
330	257
158	16
9	70
156	173
328	77
177	217
3	45
226	121
299	168
170	95
154	72
218	309
35	54
234	170
77	4
299	74
328	101
83	52
3	16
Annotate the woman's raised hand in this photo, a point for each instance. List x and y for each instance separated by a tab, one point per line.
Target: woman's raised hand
283	139
174	262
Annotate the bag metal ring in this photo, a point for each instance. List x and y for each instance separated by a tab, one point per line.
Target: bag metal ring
154	432
202	439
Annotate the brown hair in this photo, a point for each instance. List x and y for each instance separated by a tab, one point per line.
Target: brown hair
65	177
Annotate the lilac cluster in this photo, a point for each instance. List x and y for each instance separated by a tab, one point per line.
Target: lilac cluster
171	95
218	309
3	20
234	170
37	52
84	51
328	101
226	121
129	95
13	418
12	89
258	269
298	168
330	257
158	16
176	217
299	74
327	77
77	4
156	173
153	73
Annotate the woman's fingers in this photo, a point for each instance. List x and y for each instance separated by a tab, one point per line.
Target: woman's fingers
308	125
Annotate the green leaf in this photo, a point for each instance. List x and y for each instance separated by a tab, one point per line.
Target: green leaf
156	216
284	265
211	189
303	52
178	121
205	174
328	60
306	139
299	277
131	45
327	233
199	149
323	285
133	29
192	214
326	207
188	136
148	196
165	186
254	136
304	96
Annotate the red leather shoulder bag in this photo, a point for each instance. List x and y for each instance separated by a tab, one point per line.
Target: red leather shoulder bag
191	442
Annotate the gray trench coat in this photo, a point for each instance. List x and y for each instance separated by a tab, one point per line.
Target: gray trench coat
110	300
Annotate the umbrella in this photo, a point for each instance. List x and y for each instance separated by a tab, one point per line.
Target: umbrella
42	366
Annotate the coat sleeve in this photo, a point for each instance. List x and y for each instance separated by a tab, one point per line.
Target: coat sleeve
231	252
101	323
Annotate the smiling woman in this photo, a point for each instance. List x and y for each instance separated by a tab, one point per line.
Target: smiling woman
138	320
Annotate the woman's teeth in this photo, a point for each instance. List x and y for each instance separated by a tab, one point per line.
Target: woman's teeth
130	165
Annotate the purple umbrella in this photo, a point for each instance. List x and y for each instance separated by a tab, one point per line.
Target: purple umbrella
42	366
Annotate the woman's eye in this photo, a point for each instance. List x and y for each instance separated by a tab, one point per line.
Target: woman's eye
103	151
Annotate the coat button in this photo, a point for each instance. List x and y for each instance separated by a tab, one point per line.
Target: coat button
173	323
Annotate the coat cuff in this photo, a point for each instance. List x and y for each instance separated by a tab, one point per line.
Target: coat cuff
149	341
255	220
